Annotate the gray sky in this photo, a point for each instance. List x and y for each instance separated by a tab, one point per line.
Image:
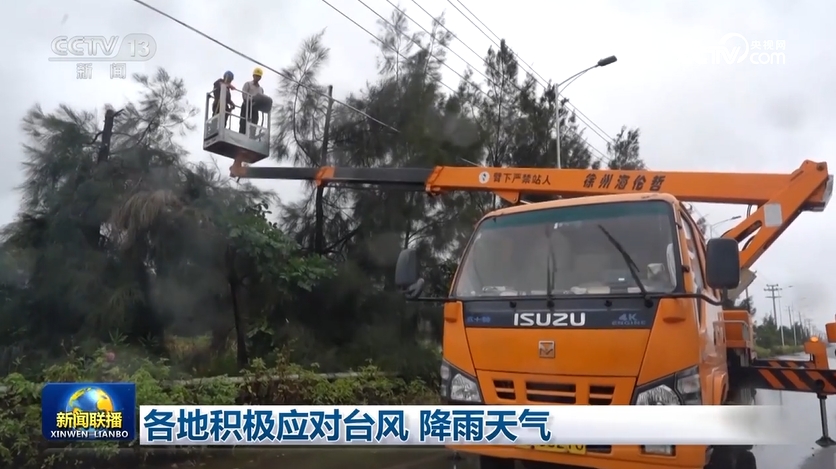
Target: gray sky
694	114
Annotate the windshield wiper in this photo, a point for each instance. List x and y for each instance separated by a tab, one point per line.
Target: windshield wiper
631	264
551	264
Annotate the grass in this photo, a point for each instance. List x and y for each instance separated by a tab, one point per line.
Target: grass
193	357
778	350
283	382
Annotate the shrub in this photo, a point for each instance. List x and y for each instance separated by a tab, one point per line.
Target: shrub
22	445
778	350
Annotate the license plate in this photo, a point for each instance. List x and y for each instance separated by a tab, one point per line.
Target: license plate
569	449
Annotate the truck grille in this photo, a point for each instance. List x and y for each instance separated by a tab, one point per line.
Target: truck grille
505	389
540	392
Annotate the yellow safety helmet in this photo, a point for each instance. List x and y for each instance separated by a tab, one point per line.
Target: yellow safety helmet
258	72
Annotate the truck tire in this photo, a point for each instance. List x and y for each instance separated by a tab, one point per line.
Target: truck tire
488	462
746	460
722	457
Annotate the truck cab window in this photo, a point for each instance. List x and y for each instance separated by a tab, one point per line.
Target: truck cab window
515	254
693	254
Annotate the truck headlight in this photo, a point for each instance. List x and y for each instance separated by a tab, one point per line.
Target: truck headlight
682	388
660	450
458	386
659	395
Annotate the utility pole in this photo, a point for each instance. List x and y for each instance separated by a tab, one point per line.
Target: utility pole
802	323
793	326
92	230
774	290
107	134
319	236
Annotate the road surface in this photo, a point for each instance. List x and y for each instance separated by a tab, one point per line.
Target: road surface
803	419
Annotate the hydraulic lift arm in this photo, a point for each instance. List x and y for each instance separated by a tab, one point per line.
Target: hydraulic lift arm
780	198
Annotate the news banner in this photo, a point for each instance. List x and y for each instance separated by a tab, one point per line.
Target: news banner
100	411
465	425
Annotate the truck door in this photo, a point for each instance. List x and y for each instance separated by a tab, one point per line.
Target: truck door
712	354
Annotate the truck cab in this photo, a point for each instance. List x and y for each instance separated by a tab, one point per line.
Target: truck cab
600	300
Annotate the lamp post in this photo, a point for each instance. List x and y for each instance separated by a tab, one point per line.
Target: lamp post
567	82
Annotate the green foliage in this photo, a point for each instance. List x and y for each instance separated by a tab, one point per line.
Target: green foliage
141	251
272	254
22	446
768	336
625	150
768	341
778	350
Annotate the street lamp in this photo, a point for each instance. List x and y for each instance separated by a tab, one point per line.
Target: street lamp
567	82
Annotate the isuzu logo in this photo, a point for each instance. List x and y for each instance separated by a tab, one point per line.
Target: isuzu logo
550	319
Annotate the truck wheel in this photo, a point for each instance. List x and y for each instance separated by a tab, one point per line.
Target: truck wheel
722	457
487	462
746	460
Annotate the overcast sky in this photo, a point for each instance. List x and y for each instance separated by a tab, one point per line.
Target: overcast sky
693	114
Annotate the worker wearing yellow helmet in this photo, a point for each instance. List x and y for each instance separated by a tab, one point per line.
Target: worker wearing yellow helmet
250	89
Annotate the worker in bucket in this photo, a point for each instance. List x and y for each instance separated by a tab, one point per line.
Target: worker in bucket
251	89
221	88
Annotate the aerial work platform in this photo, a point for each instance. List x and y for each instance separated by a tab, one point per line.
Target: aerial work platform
221	134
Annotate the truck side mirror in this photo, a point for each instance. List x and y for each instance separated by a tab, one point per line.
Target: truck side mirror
722	259
406	274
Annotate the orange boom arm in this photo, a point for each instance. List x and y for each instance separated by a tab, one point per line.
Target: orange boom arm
780	198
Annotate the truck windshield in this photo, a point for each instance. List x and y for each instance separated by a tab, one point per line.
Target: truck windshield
516	254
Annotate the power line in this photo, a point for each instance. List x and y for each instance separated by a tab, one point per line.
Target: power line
449	49
534	72
601	156
410	39
290	78
281	74
392	48
480	22
585	119
586	144
477	54
589	122
606	137
573	107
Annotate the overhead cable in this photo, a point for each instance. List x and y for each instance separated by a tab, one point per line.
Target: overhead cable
595	128
261	64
